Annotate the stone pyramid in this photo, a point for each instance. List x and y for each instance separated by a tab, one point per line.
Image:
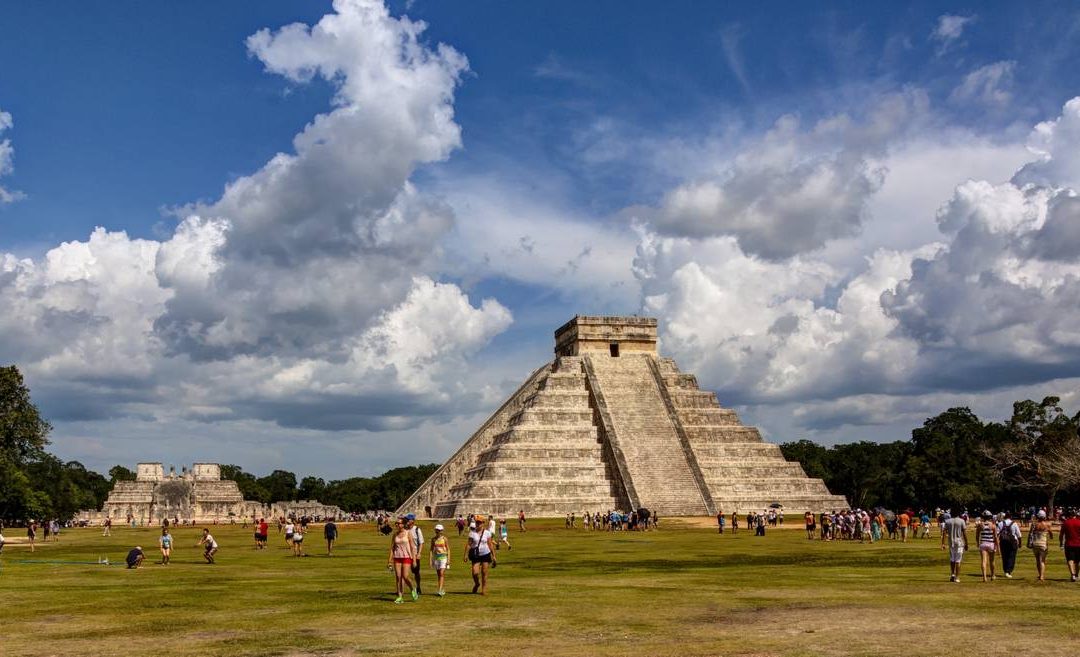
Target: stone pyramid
609	424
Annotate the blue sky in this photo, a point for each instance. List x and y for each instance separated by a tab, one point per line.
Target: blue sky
835	210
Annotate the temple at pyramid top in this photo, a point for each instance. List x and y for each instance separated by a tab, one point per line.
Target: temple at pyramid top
607	425
614	335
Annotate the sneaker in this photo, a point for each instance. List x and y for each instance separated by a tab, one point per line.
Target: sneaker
1073	578
1008	575
415	595
398	600
441	593
952	578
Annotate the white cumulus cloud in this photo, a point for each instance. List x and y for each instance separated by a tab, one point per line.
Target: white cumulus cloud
795	189
308	295
7	158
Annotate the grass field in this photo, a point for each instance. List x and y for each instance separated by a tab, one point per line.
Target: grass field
681	590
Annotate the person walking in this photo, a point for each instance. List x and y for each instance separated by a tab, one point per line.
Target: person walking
1069	541
107	527
290	529
987	537
417	537
1009	540
440	557
1039	537
955	536
330	532
521	520
402	556
504	537
481	554
165	544
298	540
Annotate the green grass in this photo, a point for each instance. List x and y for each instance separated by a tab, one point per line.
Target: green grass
681	591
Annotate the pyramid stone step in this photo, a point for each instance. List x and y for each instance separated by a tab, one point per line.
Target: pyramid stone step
549	487
564	381
705	434
523	470
772	485
544	433
739	451
727	470
508	507
710	416
552	416
694	399
540	452
578	399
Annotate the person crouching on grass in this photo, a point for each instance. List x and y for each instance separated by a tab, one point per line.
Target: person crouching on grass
440	558
210	546
135	558
402	556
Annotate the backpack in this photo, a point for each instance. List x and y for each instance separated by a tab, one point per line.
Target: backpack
1005	534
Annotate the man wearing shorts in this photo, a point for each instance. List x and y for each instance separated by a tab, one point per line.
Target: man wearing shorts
417	538
955	536
1069	540
210	546
260	536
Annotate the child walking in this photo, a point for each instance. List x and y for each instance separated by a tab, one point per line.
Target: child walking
440	558
504	537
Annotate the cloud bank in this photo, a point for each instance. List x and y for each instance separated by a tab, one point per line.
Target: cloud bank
308	295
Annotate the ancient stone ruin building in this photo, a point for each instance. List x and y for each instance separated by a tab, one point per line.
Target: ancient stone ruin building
609	424
197	495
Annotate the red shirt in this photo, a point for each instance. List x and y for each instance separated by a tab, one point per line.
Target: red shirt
1070	531
262	528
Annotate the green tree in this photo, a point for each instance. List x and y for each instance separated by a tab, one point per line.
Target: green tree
23	437
23	432
311	488
870	474
948	463
280	485
120	473
248	484
813	457
1041	451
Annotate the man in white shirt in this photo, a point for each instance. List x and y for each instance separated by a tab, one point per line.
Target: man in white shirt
417	537
209	545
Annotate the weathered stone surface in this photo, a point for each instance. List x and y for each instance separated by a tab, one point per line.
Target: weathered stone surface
609	424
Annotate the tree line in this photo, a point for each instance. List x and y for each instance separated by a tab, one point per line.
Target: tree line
37	484
956	459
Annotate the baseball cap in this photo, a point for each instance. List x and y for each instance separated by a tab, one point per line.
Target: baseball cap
987	514
1041	515
410	516
439	527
